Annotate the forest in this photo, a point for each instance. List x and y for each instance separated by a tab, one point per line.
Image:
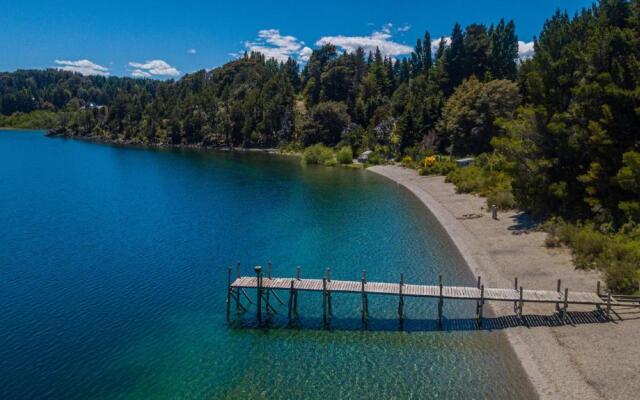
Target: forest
557	135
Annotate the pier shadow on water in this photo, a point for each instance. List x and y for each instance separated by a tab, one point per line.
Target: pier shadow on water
573	318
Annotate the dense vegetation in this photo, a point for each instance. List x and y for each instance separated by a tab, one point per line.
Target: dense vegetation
571	152
365	101
557	135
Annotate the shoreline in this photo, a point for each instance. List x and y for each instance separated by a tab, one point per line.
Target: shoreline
464	243
586	361
132	144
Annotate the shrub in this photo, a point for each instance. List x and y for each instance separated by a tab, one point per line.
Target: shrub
620	260
376	158
332	162
344	155
587	244
317	154
442	166
503	199
617	255
467	180
408	162
429	161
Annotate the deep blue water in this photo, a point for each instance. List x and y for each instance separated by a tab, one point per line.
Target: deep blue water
113	274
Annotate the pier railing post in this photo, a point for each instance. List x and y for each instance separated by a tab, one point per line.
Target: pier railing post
365	306
268	291
295	299
324	301
290	301
565	316
237	291
329	294
440	303
521	305
401	300
609	305
478	302
481	306
559	290
258	270
515	303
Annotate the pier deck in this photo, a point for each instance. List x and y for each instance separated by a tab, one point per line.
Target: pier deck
430	291
267	286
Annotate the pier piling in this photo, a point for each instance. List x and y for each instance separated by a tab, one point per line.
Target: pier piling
365	306
258	270
290	301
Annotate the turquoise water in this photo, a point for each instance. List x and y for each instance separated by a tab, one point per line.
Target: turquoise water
113	274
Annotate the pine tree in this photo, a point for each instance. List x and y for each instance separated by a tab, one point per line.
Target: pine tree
454	60
427	60
417	59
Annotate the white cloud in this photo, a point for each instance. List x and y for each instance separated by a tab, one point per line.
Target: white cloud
304	54
153	68
404	28
274	45
192	51
435	44
525	50
379	39
84	67
138	73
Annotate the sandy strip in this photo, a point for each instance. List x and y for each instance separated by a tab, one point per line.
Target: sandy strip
584	361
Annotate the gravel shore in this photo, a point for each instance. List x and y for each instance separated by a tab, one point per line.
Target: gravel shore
586	360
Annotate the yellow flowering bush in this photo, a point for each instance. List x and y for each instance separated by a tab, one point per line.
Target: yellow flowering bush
429	161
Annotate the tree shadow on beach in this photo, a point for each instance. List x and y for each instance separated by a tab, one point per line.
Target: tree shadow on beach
523	223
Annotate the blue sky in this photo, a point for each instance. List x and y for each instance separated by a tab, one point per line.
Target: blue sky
166	39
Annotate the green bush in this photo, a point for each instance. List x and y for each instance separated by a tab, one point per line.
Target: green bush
408	162
503	199
317	154
620	259
344	155
376	158
332	162
587	244
617	255
443	166
467	180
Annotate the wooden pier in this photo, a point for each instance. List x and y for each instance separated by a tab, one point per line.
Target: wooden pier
268	286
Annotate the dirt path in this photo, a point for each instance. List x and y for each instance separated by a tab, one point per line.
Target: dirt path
589	360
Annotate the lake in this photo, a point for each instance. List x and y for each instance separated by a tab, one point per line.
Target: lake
114	261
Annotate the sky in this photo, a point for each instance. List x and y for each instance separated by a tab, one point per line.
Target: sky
161	39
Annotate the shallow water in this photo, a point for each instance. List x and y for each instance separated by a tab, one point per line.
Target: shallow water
113	275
